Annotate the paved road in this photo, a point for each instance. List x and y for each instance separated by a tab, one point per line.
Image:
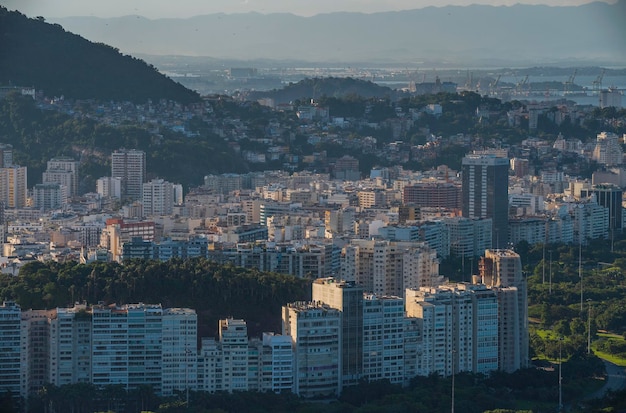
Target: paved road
616	380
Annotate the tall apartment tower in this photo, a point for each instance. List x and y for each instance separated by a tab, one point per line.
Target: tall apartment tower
388	267
502	271
608	150
36	349
70	345
179	355
109	187
63	171
278	354
346	297
6	155
13	186
233	334
158	197
383	339
3	224
126	345
609	196
130	166
315	331
459	324
486	193
12	357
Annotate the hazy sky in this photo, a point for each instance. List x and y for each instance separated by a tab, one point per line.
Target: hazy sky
185	8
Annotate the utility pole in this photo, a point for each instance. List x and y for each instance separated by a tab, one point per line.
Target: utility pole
543	261
560	378
580	273
452	403
550	289
589	328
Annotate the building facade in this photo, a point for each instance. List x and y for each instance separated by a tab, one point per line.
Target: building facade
130	166
316	337
501	270
486	193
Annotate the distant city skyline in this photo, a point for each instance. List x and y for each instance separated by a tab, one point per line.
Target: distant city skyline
155	9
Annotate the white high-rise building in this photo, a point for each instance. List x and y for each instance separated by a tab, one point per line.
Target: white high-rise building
63	171
49	196
608	150
383	339
590	221
179	355
70	346
109	187
210	365
130	166
434	310
233	336
278	354
315	331
388	267
158	197
126	345
469	237
459	325
266	365
486	329
420	267
502	271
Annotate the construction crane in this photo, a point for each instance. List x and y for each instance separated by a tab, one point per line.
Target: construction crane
597	84
569	82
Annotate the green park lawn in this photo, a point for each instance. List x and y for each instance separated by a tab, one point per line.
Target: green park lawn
620	361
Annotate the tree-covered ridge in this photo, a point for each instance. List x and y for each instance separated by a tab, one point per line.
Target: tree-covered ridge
315	88
38	135
213	290
35	53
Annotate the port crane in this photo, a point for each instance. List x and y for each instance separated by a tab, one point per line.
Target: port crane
569	82
493	85
522	85
597	84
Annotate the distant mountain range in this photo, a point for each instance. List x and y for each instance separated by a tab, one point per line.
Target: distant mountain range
477	35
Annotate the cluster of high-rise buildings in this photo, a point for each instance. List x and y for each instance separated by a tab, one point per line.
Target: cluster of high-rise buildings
349	332
305	223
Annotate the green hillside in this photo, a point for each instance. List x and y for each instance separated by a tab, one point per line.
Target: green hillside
316	88
45	56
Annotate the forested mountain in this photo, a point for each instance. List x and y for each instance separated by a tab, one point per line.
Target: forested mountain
45	56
